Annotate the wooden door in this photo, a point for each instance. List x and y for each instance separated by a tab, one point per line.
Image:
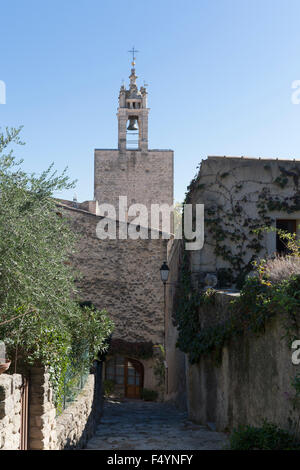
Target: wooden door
133	378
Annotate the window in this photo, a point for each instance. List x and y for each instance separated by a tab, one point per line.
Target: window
288	225
115	370
133	376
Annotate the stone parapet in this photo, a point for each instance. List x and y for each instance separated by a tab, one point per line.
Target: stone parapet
42	412
10	411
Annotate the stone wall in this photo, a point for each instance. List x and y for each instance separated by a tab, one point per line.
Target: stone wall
144	177
78	422
121	276
150	381
42	412
10	411
252	383
176	381
69	430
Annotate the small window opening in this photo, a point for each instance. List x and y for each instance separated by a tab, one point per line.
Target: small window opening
287	225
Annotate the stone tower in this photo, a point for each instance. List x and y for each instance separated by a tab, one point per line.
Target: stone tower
145	176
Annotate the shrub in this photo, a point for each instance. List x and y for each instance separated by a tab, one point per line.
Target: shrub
149	395
282	268
267	437
108	387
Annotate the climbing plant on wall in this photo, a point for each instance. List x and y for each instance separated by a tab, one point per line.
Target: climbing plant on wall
260	300
235	235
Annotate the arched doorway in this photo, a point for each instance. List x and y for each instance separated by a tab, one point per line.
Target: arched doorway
127	374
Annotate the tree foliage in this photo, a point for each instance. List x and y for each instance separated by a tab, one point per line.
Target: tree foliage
40	316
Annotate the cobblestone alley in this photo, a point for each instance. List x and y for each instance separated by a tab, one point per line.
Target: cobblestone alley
135	424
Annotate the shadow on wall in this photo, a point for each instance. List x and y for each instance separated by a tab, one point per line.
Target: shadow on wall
74	426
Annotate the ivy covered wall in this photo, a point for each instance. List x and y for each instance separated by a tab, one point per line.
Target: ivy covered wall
249	380
241	196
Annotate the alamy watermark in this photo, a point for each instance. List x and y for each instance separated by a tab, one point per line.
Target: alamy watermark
295	98
2	92
138	222
296	353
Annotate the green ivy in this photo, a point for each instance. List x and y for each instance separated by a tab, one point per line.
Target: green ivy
234	234
267	437
258	303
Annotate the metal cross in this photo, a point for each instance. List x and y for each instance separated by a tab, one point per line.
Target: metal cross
133	52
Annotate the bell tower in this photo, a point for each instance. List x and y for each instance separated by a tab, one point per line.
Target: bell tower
143	175
133	116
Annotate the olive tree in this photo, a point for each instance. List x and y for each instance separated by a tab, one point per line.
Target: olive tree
40	316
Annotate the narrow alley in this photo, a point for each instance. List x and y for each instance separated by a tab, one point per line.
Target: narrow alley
139	425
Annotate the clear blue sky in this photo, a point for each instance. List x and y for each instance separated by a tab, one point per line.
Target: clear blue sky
219	75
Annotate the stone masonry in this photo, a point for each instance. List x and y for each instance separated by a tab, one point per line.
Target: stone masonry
121	276
176	373
42	412
252	381
10	411
78	423
70	430
133	110
144	177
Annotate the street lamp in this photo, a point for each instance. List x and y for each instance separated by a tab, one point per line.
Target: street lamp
164	272
164	275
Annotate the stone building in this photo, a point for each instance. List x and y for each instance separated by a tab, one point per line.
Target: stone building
144	176
249	378
241	197
122	275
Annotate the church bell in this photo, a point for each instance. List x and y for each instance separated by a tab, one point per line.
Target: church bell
132	126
